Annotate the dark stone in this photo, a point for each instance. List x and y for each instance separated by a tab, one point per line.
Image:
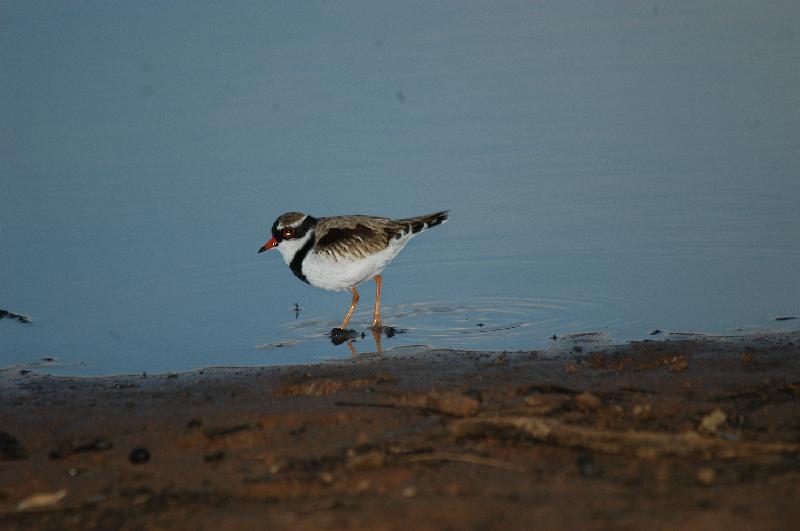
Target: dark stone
587	467
10	448
68	448
219	455
139	455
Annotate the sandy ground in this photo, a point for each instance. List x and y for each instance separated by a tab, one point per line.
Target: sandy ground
697	434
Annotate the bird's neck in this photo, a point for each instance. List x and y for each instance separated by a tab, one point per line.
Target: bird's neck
296	261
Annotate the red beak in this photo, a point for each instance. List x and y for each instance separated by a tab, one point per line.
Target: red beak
269	245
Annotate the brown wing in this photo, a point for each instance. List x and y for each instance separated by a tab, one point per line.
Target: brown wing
355	236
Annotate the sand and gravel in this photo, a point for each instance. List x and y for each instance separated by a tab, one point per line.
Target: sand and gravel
690	434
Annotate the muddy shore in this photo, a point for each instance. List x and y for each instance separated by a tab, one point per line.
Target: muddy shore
693	434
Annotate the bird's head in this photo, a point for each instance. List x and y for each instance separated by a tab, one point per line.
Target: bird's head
289	233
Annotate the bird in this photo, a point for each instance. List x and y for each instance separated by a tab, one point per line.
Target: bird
339	253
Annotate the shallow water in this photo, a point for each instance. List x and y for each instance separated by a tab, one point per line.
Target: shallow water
617	169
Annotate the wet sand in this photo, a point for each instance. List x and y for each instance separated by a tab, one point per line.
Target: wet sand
691	434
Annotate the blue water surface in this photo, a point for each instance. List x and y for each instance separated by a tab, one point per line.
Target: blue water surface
613	167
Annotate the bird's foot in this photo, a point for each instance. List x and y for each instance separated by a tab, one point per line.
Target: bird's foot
339	335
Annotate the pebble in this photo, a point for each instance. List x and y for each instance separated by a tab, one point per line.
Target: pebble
219	455
408	492
139	455
706	475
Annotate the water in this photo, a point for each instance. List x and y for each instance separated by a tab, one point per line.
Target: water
613	168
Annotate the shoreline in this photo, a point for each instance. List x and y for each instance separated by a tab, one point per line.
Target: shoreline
682	433
364	345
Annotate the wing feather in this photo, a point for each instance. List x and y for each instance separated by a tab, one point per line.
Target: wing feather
356	237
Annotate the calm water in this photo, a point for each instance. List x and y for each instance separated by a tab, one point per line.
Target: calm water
613	167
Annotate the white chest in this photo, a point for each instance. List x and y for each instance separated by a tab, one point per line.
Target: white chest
346	273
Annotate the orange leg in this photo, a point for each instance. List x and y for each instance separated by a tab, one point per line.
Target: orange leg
351	310
376	334
353	351
376	322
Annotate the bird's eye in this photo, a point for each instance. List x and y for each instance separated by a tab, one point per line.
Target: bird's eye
288	233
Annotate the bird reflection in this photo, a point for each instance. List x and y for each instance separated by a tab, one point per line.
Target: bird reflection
348	336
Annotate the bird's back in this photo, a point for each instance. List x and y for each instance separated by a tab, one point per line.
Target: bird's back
359	236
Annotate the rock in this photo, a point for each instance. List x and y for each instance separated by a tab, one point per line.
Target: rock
587	467
452	403
408	492
543	404
139	455
706	475
642	410
711	422
446	402
10	448
588	400
219	455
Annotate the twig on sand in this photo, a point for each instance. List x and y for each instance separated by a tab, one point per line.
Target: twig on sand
641	443
465	458
445	402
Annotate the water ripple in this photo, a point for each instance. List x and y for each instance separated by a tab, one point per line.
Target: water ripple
492	323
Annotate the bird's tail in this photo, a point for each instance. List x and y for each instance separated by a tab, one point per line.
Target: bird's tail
421	223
